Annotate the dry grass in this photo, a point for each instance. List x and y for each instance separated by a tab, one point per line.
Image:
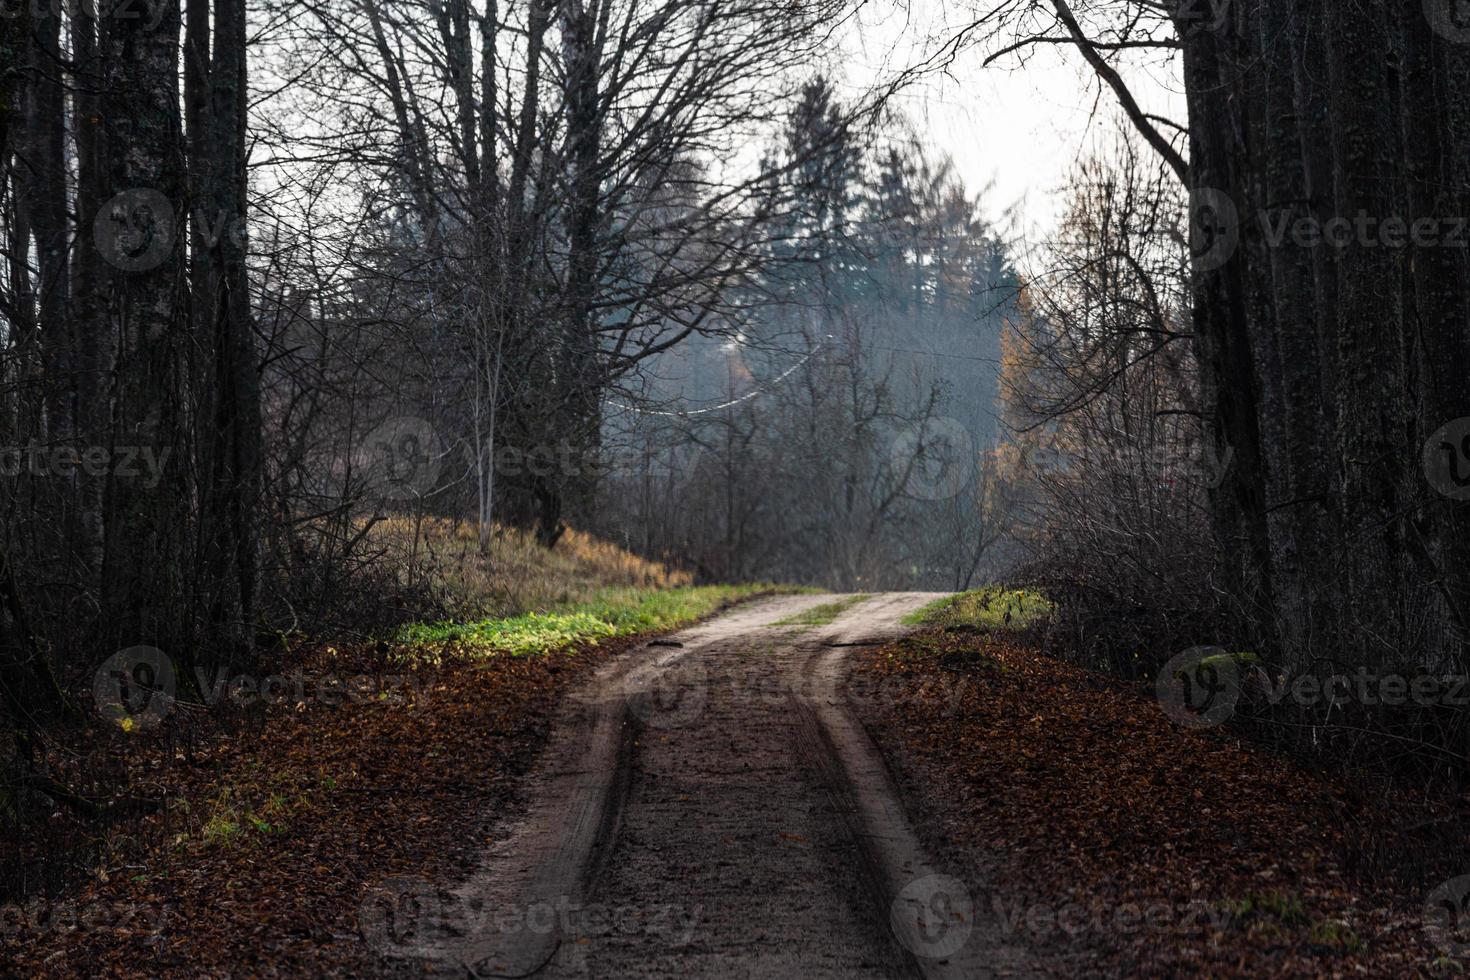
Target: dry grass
517	576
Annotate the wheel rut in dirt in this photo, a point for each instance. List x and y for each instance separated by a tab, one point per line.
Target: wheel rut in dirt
711	807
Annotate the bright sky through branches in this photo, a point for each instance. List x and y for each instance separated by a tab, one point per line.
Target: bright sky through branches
1018	128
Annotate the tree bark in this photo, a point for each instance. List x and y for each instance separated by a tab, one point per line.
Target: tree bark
143	568
1222	333
1373	426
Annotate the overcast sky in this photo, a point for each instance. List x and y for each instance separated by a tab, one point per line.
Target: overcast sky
1018	129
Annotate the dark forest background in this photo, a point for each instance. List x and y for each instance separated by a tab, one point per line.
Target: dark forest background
648	270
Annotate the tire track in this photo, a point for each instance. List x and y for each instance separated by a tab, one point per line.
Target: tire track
711	807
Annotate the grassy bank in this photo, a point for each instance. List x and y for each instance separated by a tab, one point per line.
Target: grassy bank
606	614
993	607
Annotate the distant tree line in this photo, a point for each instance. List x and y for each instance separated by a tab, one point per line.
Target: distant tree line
840	429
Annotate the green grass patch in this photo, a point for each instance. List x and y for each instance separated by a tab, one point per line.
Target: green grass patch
823	614
233	820
1278	907
220	829
1280	917
993	607
1338	936
609	613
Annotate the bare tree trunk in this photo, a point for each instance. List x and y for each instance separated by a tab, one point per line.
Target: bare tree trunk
1302	501
235	452
1434	149
579	385
1373	427
91	323
522	415
143	564
1222	332
15	28
41	169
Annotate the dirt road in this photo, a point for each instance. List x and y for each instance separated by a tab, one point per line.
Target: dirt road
710	807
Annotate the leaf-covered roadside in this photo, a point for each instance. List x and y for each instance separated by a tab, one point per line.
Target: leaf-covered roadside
1160	851
280	834
277	831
